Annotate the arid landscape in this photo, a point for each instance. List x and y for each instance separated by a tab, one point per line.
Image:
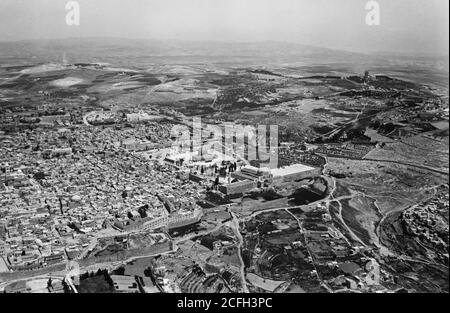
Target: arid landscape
83	122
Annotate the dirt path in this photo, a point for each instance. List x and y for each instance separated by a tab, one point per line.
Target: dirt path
235	226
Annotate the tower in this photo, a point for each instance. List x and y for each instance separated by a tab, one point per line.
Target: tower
367	76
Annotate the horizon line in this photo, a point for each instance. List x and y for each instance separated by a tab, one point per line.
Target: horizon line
224	41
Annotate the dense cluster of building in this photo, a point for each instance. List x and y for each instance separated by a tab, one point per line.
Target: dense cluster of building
428	223
61	188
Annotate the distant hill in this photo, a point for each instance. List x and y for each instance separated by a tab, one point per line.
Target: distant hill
155	51
135	53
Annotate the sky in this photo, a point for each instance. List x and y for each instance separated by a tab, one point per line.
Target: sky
408	26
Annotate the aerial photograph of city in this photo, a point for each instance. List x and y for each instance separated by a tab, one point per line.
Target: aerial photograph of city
224	147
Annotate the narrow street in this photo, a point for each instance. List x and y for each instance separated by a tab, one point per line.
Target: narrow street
235	227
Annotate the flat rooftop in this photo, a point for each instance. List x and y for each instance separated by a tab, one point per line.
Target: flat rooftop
292	169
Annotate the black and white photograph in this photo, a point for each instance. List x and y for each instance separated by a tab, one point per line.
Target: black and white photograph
225	152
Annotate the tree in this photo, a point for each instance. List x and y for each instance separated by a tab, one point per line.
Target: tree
39	176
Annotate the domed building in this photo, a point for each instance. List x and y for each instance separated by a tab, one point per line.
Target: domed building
75	201
76	198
